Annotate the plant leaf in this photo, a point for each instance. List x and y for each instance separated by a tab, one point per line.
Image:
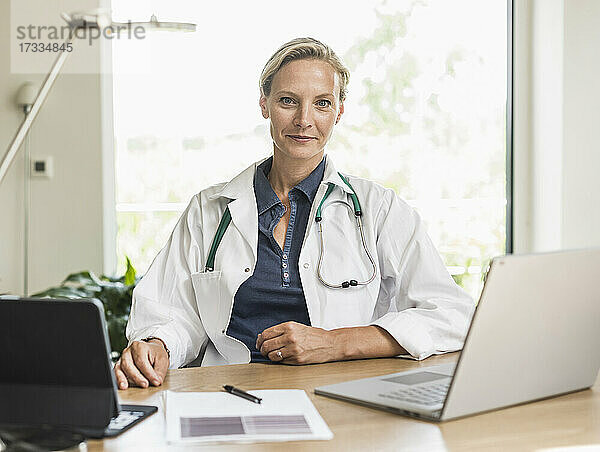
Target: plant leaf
129	274
81	278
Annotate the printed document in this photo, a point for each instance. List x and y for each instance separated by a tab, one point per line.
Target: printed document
283	415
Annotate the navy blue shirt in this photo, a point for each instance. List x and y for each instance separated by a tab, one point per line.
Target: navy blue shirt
273	294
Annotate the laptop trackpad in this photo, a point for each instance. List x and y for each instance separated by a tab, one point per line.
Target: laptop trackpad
416	378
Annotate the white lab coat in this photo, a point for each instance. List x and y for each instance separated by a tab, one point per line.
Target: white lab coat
413	297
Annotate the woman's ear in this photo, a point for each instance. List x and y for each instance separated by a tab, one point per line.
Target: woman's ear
263	106
340	113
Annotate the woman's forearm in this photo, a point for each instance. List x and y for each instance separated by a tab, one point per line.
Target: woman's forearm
364	342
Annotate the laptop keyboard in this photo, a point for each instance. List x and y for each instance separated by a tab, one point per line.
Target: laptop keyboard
432	394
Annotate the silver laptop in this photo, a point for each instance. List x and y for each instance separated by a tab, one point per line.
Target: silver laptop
535	334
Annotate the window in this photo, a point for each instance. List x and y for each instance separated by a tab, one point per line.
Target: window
425	113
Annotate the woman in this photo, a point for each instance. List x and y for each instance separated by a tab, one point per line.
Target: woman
284	285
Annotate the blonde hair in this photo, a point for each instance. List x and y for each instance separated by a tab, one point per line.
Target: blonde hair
302	49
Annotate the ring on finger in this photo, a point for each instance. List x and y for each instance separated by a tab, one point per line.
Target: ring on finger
279	354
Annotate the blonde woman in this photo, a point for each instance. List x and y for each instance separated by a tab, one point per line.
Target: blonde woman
292	262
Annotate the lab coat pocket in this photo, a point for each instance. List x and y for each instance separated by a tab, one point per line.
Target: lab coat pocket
207	287
346	307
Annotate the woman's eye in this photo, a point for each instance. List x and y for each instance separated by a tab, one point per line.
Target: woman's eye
323	103
286	100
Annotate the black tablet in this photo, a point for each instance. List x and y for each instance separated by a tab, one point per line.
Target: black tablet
56	368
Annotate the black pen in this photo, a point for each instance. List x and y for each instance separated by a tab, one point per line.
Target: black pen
242	394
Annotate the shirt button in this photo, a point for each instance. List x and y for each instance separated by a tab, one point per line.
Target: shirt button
247	269
285	256
284	265
306	265
286	275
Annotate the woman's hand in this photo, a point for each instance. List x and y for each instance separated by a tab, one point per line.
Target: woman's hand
295	343
142	364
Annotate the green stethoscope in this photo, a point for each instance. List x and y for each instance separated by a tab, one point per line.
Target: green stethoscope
226	219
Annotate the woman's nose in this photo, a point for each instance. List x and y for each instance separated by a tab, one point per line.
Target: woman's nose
302	118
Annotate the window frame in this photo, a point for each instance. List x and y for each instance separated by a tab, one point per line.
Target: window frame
109	178
509	127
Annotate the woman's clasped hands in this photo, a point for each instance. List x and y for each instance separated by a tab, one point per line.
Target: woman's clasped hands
295	343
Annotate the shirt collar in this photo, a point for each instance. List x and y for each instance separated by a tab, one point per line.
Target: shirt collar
266	197
241	185
310	184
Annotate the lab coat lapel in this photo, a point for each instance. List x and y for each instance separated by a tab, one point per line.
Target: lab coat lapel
332	176
244	216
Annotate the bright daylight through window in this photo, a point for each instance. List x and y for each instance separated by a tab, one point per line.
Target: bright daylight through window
425	112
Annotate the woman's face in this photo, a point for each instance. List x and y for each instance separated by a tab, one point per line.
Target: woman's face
303	107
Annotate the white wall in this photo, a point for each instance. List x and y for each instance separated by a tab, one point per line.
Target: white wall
66	211
581	134
547	123
557	125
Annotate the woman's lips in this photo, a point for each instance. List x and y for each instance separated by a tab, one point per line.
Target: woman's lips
301	138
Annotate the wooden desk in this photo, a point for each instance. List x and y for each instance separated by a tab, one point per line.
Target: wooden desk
573	419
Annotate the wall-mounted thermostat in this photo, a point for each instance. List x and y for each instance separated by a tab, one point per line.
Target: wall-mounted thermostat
42	167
